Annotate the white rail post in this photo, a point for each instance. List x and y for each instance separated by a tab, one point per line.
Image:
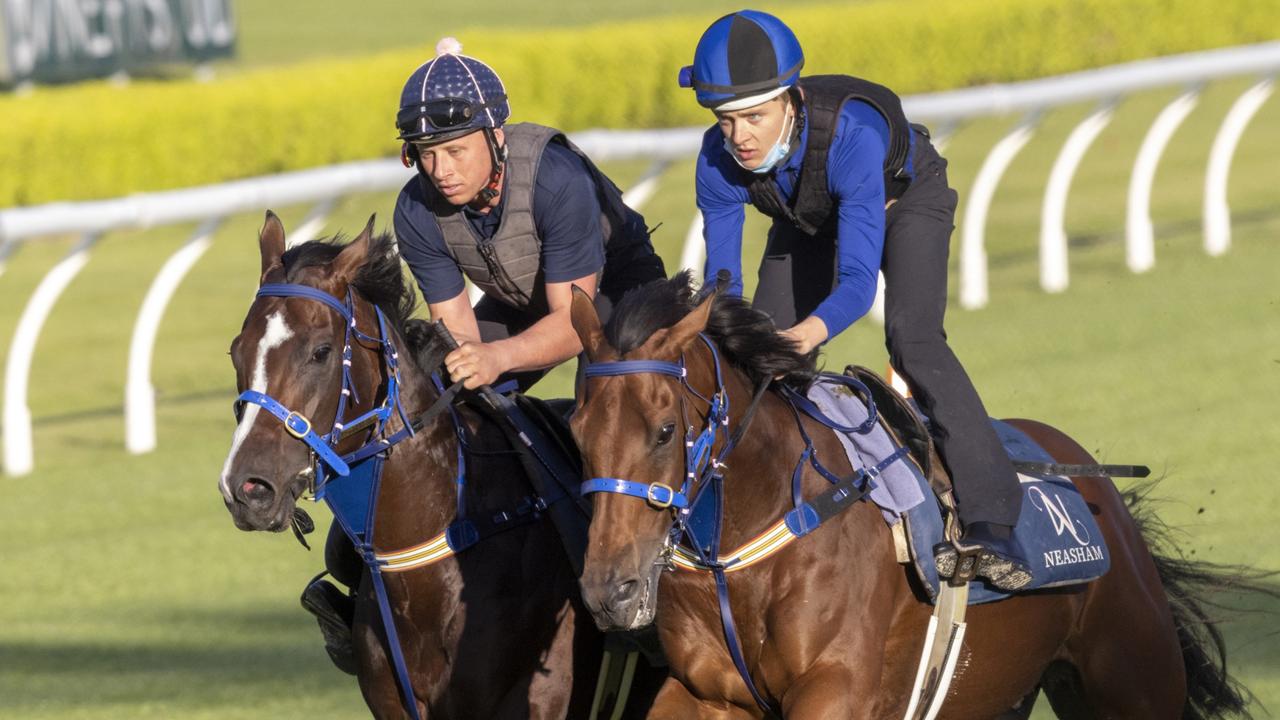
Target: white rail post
1217	214
311	224
1140	250
18	451
941	137
139	394
7	247
1054	269
694	255
973	254
637	195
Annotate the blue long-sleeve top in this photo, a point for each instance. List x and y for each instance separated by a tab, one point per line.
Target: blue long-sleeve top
855	180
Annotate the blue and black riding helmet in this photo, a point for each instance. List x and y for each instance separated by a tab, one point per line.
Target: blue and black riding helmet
450	95
742	60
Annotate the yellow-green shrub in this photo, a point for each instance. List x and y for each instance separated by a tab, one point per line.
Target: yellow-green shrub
95	140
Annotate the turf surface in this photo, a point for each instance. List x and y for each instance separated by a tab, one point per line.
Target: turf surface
128	593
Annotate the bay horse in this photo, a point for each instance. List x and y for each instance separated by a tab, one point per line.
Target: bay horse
495	631
831	626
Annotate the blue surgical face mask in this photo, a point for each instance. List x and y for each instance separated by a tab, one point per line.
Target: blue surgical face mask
781	147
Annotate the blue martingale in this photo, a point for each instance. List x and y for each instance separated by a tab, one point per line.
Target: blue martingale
1057	531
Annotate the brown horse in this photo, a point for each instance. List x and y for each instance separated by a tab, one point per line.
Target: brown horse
832	626
495	631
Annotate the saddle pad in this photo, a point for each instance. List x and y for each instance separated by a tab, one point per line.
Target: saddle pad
1058	534
899	486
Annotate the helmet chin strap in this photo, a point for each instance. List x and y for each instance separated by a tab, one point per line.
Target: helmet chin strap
497	158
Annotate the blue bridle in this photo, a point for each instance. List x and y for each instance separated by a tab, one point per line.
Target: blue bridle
325	453
324	446
703	470
698	451
698	504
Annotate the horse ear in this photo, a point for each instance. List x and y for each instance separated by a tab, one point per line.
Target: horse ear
586	322
682	333
353	257
271	245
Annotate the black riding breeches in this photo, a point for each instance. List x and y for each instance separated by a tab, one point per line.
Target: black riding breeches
799	271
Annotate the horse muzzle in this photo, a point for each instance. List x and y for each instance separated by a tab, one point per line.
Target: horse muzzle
257	504
622	601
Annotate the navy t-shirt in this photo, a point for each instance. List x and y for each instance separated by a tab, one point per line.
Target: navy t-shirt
566	214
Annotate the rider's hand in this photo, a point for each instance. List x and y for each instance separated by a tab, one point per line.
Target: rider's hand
806	334
476	364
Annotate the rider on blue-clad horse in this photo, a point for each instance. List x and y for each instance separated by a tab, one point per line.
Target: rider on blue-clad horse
854	189
522	213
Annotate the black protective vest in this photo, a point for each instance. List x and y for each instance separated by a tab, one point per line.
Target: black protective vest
824	96
508	266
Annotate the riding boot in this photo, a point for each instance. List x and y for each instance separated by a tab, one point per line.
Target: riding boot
996	556
334	611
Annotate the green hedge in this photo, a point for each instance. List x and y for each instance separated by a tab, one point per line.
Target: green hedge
95	140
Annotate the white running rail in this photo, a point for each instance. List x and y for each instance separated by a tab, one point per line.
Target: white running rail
944	111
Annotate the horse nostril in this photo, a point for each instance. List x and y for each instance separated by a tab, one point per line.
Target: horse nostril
255	490
624	594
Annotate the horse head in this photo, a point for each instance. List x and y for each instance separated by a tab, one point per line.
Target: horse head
290	349
635	426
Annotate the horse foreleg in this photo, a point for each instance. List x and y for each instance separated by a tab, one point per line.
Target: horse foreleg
675	702
376	676
547	694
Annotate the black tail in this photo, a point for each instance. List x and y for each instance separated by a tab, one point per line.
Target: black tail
1193	588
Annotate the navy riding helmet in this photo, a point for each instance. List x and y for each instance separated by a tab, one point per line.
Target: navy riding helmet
450	96
743	59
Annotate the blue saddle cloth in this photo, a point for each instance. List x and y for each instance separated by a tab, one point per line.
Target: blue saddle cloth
1056	530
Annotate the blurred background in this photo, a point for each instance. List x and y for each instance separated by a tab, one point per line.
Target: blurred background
125	590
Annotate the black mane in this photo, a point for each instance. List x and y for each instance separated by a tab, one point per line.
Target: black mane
381	281
746	336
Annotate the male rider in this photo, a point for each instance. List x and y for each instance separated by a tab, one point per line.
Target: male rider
522	213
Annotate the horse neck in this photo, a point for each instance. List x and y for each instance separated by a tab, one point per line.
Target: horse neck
416	491
757	476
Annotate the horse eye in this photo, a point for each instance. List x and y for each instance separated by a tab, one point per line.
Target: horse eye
667	432
321	354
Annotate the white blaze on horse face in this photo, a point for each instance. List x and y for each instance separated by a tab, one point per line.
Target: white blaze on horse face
277	332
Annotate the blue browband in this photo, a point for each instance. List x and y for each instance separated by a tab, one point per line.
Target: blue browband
303	291
632	367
